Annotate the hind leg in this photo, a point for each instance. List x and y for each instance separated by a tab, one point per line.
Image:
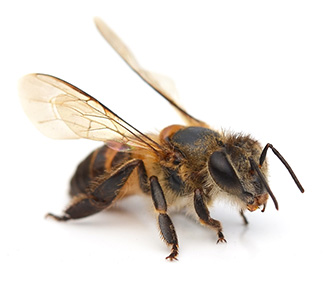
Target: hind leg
101	197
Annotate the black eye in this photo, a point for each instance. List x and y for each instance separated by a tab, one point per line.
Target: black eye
222	171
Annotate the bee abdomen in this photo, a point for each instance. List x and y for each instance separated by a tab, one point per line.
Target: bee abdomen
96	164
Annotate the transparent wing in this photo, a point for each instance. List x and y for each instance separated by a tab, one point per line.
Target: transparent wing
62	111
163	85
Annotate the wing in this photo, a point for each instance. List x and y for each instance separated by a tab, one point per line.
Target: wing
163	85
62	111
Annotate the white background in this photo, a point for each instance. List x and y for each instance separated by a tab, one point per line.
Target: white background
260	67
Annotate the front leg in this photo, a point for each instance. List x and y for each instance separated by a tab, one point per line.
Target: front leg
164	221
203	213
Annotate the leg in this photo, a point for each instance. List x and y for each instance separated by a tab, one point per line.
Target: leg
245	220
100	197
203	213
165	224
143	178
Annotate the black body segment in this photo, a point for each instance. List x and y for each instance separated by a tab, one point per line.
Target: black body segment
174	181
108	190
166	227
157	195
204	215
99	161
200	206
193	141
143	178
118	159
193	136
85	207
94	165
101	197
82	179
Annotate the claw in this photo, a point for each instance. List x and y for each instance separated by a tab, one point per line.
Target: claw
172	257
221	238
174	254
57	218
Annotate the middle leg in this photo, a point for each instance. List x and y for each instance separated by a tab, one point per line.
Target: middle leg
165	224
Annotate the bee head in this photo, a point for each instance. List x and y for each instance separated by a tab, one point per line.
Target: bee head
241	171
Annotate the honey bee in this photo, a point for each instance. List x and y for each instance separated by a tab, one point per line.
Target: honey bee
183	167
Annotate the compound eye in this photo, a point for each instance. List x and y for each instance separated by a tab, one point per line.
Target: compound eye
222	171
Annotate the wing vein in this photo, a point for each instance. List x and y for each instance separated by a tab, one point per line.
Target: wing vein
61	110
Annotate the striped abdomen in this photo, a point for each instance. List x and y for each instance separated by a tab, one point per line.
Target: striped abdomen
94	166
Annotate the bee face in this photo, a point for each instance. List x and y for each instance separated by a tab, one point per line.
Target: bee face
231	169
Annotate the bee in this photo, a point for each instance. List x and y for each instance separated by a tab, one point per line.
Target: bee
186	166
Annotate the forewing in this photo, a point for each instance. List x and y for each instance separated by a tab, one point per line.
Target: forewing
62	111
163	85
